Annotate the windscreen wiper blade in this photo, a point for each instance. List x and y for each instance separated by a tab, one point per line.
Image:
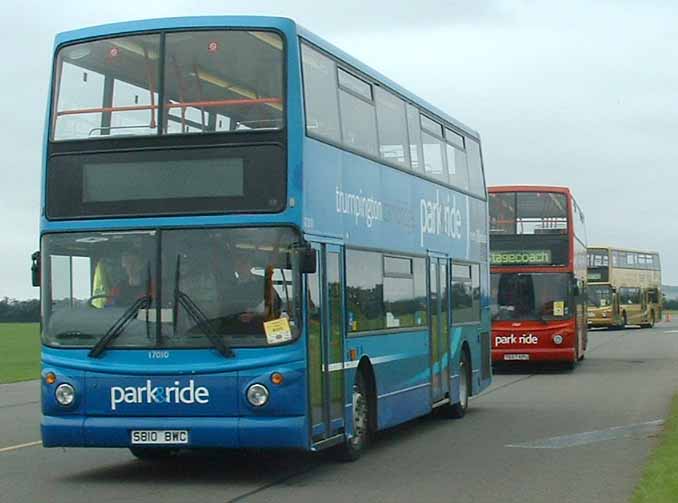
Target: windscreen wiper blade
202	322
119	325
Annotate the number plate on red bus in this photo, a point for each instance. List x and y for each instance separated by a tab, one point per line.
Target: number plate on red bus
159	437
520	356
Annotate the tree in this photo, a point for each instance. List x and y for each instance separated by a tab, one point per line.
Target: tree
18	311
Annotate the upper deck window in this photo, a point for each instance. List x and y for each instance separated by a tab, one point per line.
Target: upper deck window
358	115
431	126
598	258
528	213
347	109
320	94
475	168
392	125
457	167
226	80
358	86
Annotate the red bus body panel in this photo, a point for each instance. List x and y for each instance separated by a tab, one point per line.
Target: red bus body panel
534	339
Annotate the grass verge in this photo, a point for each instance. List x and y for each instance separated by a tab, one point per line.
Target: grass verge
19	352
660	478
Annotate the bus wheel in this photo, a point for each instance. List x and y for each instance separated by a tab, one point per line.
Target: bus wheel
353	447
458	410
152	453
651	322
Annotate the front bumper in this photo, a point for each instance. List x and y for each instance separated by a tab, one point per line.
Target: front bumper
215	432
535	355
600	322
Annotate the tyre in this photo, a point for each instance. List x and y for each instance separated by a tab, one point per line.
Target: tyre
458	410
152	453
352	448
573	364
651	322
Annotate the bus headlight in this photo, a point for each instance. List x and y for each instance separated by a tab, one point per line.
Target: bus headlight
65	394
558	339
257	395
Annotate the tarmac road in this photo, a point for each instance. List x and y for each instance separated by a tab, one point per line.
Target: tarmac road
535	435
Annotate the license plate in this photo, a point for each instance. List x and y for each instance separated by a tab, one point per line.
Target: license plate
159	437
517	357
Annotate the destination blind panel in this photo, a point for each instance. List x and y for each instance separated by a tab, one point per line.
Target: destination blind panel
202	180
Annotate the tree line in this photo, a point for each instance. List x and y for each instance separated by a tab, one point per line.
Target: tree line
17	311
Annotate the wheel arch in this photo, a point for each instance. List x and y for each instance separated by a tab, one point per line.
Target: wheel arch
367	370
466	349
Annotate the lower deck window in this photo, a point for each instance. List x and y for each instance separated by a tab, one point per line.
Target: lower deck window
384	292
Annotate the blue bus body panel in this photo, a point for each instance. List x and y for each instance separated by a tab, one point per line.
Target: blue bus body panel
191	390
368	204
401	365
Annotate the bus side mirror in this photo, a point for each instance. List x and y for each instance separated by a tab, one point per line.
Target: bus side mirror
35	268
307	260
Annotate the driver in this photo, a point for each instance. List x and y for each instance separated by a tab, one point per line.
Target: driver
249	301
133	286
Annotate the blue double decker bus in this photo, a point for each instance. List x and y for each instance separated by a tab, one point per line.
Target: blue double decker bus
249	240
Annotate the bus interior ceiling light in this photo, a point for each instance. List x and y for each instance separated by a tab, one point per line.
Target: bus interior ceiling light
79	52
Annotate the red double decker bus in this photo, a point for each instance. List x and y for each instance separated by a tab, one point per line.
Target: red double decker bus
538	269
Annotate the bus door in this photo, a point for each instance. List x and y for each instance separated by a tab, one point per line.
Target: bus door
439	327
325	342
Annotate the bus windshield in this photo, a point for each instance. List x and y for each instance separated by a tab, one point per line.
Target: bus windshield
233	280
531	296
214	81
599	295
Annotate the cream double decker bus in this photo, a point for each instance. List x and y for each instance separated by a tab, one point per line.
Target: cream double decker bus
624	287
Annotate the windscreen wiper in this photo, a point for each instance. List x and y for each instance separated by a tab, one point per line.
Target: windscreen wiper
119	325
198	316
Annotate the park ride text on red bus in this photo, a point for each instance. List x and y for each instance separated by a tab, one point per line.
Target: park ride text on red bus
538	272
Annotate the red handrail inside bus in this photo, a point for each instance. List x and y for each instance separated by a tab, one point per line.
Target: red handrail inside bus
207	104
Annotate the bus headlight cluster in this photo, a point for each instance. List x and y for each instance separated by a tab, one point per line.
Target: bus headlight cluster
558	339
257	395
65	394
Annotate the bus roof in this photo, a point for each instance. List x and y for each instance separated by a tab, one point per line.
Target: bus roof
529	188
618	248
280	23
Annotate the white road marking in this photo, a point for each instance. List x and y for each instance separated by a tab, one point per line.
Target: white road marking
671	331
20	446
590	437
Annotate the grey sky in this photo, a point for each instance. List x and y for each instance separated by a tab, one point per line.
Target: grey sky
575	93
